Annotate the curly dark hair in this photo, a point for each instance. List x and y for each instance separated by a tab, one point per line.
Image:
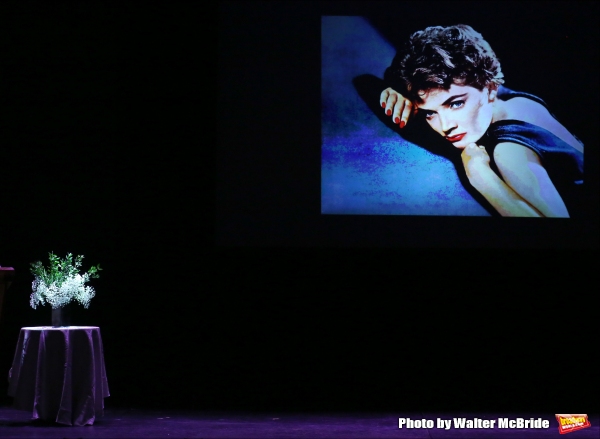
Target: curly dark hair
438	57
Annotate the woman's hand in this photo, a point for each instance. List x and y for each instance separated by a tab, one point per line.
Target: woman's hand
476	161
396	105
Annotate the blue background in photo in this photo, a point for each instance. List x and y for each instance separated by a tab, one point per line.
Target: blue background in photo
367	168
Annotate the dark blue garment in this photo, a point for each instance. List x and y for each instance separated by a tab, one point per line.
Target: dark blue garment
563	163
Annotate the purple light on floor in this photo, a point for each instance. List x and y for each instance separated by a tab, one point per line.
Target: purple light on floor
134	423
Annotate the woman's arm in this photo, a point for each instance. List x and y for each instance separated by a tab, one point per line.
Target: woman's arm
506	201
522	170
501	196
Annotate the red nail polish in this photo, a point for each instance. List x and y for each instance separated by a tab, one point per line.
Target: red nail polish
389	112
402	124
383	105
397	120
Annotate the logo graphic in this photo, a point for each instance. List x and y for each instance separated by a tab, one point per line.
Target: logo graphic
570	423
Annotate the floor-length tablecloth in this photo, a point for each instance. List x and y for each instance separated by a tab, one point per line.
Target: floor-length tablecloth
58	373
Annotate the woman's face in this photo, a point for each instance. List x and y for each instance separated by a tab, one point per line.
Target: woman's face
461	114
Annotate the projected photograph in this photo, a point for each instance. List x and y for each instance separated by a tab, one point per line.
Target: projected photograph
433	127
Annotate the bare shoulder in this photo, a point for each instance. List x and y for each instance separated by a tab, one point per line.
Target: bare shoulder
522	170
526	110
509	154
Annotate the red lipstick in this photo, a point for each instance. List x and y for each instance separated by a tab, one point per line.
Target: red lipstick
456	138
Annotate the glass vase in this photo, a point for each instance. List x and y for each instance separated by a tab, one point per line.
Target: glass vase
61	316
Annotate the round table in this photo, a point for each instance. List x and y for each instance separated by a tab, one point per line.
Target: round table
58	373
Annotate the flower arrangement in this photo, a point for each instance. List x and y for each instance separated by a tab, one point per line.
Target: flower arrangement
61	282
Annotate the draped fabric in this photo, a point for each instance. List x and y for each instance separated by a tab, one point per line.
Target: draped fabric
563	163
59	374
560	159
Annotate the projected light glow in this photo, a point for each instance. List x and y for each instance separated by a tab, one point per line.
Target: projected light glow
475	148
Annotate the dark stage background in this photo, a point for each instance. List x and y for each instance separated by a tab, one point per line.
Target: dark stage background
223	287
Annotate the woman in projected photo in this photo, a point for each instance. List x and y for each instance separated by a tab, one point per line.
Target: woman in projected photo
514	151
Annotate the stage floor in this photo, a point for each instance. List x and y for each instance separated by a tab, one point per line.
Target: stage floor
136	423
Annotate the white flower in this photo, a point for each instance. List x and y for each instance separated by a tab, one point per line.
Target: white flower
73	288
